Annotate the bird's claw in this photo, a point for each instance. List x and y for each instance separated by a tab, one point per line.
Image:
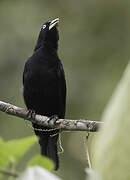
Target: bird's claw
31	114
52	120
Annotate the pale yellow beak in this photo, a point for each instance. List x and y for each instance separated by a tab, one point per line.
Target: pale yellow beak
53	23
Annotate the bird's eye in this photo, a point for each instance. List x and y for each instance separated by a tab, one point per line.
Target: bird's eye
44	26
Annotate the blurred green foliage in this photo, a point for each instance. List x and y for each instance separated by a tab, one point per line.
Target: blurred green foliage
113	138
44	162
12	151
94	47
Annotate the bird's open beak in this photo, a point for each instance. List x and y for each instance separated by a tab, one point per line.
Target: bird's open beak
53	23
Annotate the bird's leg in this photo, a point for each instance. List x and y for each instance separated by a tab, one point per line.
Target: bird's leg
31	113
52	120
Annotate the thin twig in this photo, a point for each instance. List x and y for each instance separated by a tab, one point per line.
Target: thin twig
62	124
87	152
9	173
60	145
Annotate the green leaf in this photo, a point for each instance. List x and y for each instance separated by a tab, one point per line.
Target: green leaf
19	147
12	151
111	150
42	161
4	155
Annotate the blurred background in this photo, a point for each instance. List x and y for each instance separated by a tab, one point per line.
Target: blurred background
94	47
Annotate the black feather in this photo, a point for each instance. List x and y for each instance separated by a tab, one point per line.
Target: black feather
45	87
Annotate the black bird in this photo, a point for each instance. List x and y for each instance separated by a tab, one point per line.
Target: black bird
45	86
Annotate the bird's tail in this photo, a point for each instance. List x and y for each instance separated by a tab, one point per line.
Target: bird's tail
48	143
49	148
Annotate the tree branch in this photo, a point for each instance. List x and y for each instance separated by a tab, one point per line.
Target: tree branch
9	173
62	124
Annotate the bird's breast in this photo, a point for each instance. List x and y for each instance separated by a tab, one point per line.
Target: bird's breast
41	76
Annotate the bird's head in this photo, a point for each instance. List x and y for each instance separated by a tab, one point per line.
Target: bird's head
49	34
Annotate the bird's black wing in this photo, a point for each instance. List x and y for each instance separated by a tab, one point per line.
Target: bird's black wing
62	89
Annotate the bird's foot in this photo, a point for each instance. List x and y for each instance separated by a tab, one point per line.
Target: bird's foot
52	120
31	114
